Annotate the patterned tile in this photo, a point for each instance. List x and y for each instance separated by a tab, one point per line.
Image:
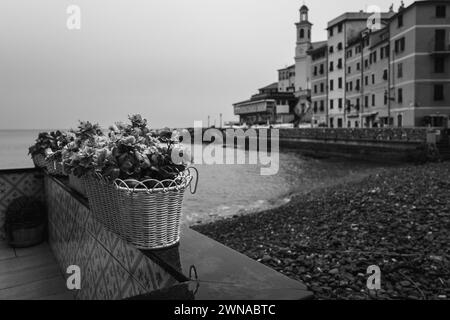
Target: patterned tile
15	185
110	267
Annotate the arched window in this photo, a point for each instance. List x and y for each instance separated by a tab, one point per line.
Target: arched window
399	120
302	33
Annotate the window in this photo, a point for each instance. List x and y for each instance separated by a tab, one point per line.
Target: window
331	66
315	106
439	65
302	33
358	66
315	70
438	92
366	63
331	104
385	98
358	104
400	45
321	87
366	101
339	64
315	88
399	120
373	79
331	122
349	124
381	53
351	85
322	105
331	49
373	100
439	40
349	70
400	70
331	85
385	74
366	80
339	123
358	85
400	96
340	27
321	69
339	46
340	103
440	11
400	20
340	83
346	86
331	31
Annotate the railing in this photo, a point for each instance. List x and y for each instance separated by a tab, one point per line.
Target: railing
438	47
417	135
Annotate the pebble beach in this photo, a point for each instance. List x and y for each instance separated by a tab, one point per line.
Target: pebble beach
397	219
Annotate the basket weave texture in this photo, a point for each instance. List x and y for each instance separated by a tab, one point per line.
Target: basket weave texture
55	168
39	161
149	218
78	184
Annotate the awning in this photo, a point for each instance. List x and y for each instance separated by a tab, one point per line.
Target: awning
369	114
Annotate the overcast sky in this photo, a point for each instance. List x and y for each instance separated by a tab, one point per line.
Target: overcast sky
173	61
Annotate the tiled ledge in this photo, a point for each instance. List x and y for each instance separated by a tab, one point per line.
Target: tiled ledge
197	268
218	272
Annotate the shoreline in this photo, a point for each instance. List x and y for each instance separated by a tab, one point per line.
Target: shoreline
286	198
397	219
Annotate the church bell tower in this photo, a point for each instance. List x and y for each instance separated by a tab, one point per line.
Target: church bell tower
303	44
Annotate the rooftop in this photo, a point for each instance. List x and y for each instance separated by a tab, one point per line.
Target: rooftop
357	16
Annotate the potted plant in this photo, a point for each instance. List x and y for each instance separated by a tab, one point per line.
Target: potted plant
25	222
86	134
43	147
47	151
134	186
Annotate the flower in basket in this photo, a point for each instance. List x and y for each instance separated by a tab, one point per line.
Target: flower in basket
44	145
87	135
87	131
129	152
50	144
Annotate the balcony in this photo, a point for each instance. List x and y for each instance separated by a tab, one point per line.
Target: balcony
259	106
439	47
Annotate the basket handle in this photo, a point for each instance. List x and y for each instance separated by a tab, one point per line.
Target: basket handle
193	191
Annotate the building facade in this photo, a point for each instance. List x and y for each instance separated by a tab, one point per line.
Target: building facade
395	75
319	80
374	69
268	106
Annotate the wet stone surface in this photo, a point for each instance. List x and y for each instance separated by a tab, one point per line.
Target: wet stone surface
398	220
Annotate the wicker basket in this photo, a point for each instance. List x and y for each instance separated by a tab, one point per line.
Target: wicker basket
55	168
77	184
148	218
39	161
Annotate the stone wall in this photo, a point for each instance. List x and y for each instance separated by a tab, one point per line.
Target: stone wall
373	134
